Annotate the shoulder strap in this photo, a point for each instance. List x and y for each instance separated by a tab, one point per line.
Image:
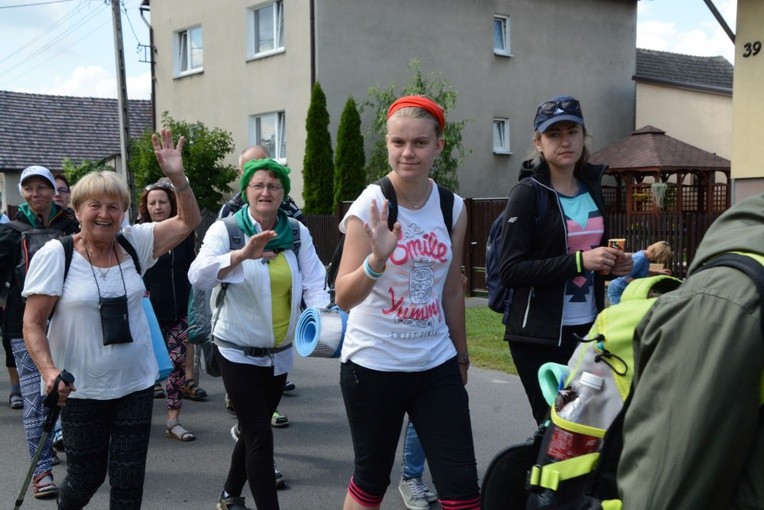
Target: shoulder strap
389	193
748	265
19	226
294	224
447	206
122	240
235	235
68	243
446	203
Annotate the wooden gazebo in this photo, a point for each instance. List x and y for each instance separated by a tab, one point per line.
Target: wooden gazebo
688	179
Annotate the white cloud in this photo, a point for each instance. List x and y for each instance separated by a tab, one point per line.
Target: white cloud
95	81
670	31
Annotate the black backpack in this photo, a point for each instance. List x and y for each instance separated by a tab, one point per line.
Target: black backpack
499	296
32	239
446	207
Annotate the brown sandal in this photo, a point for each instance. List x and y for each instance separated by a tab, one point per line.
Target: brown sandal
193	392
178	433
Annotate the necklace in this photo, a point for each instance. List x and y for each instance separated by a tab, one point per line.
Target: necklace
419	203
108	263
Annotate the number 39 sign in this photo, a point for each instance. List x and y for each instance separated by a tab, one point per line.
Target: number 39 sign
751	49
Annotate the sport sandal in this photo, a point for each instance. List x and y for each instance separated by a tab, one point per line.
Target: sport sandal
43	487
178	433
15	401
193	392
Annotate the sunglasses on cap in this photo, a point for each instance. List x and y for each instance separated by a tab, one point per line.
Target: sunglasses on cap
567	105
158	185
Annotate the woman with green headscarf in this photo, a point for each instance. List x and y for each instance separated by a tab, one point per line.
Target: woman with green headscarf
253	327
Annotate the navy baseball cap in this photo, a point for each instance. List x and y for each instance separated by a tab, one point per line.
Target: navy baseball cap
557	110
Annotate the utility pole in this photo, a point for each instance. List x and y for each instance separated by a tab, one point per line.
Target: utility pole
124	119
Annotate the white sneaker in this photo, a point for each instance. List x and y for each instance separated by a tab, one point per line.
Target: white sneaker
413	492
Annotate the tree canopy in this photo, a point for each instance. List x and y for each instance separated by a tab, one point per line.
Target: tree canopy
203	156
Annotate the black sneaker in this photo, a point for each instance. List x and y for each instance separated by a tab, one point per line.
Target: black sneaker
289	386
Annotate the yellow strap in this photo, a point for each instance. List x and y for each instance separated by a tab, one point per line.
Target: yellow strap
578	428
612	504
550	476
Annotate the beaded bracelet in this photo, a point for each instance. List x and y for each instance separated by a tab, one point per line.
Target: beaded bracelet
370	273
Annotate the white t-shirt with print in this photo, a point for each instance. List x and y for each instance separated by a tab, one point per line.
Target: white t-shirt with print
101	372
400	326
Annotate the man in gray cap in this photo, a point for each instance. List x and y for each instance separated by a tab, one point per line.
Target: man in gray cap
37	187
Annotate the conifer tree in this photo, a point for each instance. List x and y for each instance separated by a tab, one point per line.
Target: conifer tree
318	164
350	160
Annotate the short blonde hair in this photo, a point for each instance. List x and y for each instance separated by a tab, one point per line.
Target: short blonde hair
104	182
660	252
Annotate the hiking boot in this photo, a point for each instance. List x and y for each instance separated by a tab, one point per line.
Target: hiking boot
413	492
280	482
231	503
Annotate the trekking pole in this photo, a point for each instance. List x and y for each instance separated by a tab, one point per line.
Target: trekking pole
51	402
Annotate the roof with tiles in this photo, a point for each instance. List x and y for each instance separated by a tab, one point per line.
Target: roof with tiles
651	148
38	129
710	74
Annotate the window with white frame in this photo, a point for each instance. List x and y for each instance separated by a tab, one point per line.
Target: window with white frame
501	35
189	50
501	136
269	130
266	29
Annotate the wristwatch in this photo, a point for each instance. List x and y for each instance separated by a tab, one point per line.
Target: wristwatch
463	358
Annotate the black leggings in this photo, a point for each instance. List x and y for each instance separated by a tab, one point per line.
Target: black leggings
528	358
255	393
103	434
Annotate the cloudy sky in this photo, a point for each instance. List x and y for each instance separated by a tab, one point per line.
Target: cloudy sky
65	47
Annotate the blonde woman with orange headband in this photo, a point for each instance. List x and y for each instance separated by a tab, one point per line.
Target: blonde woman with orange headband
405	348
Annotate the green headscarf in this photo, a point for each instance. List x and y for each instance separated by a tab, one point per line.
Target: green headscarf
284	239
250	167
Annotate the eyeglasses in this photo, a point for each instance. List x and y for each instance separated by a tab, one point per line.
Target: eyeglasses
566	105
259	187
62	191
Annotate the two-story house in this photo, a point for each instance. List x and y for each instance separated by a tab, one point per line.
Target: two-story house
247	66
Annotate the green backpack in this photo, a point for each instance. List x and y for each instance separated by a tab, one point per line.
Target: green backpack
524	475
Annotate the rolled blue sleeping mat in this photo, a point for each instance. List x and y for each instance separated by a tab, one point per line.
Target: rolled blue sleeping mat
320	331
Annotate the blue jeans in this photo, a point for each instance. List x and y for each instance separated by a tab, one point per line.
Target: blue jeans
413	454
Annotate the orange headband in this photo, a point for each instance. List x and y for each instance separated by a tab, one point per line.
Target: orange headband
423	102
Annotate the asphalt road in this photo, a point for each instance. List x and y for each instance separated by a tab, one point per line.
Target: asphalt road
314	452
